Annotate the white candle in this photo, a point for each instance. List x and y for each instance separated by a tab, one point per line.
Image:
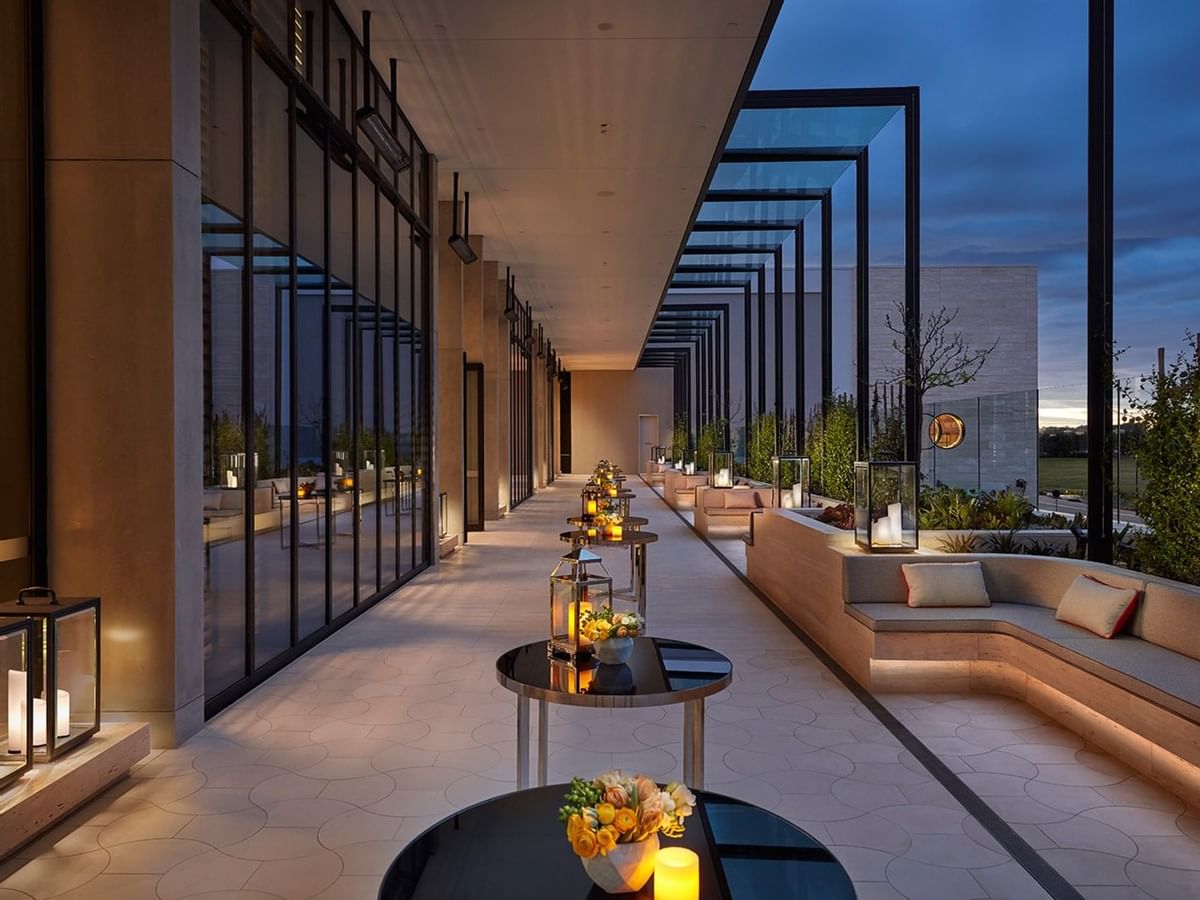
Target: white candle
39	721
676	874
797	494
888	530
723	479
788	502
62	714
16	711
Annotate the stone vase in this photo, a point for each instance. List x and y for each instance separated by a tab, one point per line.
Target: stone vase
613	651
626	868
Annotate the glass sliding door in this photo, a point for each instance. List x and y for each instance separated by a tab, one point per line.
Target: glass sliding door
316	401
473	443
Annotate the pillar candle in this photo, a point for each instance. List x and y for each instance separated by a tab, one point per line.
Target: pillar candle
39	721
16	711
62	714
616	531
676	874
591	507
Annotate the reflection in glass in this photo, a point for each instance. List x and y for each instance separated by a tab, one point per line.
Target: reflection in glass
366	473
223	239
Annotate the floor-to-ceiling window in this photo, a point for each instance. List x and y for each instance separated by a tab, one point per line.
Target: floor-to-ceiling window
520	396
314	302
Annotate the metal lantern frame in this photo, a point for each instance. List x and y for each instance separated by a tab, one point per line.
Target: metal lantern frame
18	760
720	461
805	464
573	593
46	617
594	493
890	488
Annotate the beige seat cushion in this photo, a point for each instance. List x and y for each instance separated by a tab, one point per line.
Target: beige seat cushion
742	500
1096	606
945	584
1169	615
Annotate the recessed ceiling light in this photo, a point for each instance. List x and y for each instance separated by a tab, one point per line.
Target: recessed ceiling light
731	24
439	27
606	193
604	26
605	231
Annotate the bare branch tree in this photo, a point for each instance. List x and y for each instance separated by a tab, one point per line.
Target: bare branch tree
947	359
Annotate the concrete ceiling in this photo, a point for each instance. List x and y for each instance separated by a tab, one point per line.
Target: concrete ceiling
583	129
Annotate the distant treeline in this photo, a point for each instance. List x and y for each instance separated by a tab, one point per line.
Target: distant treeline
1064	441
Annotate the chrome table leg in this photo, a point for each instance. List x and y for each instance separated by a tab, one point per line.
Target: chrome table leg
693	743
522	743
543	741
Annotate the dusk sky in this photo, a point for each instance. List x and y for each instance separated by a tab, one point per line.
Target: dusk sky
1003	142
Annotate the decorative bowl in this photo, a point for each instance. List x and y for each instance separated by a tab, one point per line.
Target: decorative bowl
613	651
626	868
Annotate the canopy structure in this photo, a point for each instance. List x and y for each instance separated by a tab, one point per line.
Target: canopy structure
782	155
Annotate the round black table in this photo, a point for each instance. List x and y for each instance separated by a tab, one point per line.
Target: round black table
636	541
633	523
514	848
659	672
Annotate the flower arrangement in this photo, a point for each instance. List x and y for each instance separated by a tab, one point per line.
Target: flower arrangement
617	808
602	624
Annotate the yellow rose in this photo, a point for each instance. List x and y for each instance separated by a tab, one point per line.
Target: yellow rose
573	825
605	812
585	844
607	839
625	820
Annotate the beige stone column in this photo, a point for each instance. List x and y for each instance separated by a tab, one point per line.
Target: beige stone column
493	365
449	412
126	367
503	404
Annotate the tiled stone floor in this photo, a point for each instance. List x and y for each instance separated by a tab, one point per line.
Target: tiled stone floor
310	785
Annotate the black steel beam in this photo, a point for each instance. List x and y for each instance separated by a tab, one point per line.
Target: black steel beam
1099	281
778	361
912	274
826	303
800	354
862	307
791	154
765	196
762	340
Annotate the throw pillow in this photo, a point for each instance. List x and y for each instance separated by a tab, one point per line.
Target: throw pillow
1100	608
945	584
741	500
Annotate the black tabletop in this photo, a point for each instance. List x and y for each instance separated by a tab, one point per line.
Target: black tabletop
659	671
626	521
513	848
627	538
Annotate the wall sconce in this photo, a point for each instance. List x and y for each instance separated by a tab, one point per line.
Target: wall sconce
458	241
64	667
799	494
573	592
16	639
946	431
885	506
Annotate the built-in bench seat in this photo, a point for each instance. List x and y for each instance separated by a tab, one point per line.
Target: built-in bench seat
1137	695
728	510
679	490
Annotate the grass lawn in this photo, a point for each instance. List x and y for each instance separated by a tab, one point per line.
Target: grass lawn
1069	475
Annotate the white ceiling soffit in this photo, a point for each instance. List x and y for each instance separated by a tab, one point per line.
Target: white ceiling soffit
583	129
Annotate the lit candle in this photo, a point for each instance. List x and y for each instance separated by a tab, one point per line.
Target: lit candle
724	479
16	711
676	874
797	495
612	492
591	507
591	532
888	530
39	721
616	531
62	715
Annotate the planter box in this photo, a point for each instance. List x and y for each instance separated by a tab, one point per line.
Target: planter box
934	539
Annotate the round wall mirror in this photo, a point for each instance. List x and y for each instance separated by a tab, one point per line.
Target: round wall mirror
946	431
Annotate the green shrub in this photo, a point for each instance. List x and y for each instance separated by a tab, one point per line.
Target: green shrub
1169	456
832	446
761	447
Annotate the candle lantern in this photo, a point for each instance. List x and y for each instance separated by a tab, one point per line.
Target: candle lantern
885	506
64	667
720	469
790	480
576	588
16	639
592	497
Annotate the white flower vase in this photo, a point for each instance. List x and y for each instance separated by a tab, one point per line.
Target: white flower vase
626	868
613	651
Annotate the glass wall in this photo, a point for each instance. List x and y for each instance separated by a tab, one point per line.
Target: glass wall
520	394
314	301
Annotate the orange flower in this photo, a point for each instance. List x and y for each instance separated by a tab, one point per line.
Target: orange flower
625	820
616	795
646	788
605	813
585	844
573	825
651	820
607	839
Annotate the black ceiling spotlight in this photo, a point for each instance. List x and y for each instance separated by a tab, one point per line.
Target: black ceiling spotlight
368	117
458	243
510	295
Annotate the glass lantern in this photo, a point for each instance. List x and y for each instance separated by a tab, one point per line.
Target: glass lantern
659	454
575	589
885	506
64	667
593	497
16	639
720	469
791	477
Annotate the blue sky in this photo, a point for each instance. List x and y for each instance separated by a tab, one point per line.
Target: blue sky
1003	143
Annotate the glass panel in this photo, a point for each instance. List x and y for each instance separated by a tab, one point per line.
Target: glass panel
788	212
224	433
742	238
388	462
777	175
14	657
421	502
367	464
473	447
76	670
790	128
406	477
274	17
272	368
313	507
341	358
